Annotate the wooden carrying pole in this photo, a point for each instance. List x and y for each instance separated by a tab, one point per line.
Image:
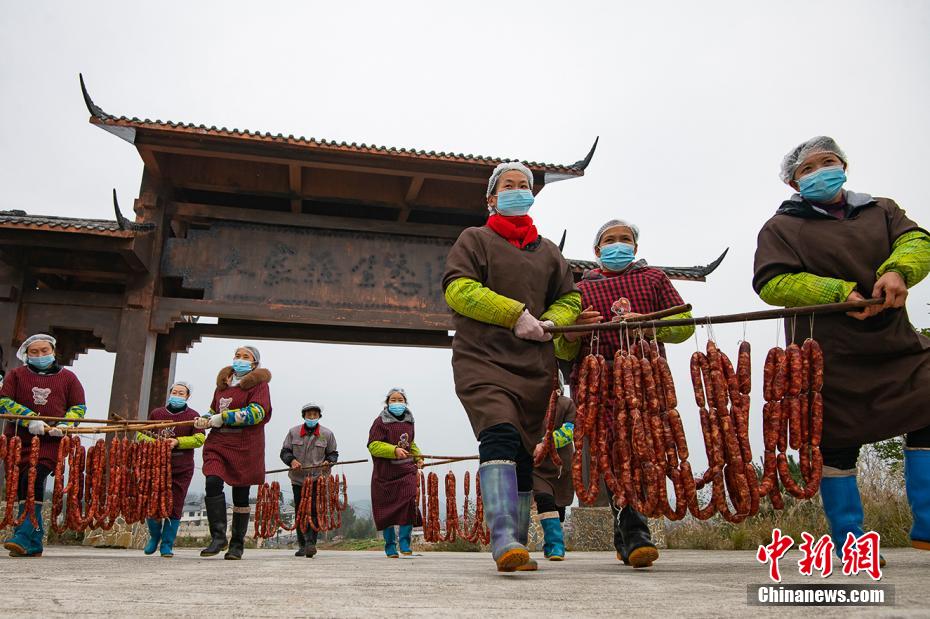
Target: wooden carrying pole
786	312
315	466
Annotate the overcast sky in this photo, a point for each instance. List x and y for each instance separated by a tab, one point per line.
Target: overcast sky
695	103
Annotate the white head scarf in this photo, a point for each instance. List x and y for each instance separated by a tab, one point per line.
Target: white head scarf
503	167
613	223
32	339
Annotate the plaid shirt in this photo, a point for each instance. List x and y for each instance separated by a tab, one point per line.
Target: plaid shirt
648	289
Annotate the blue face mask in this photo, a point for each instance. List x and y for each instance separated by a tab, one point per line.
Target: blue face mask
241	366
616	256
514	202
823	185
176	401
311	423
41	363
397	408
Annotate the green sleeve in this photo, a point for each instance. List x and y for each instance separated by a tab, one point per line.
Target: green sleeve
565	349
675	335
565	310
414	450
795	289
254	413
74	414
470	298
910	256
380	449
12	407
145	438
194	441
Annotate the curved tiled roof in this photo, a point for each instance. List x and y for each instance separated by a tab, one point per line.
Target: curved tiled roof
102	118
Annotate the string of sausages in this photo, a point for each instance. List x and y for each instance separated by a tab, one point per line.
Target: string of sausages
472	530
327	493
127	479
628	419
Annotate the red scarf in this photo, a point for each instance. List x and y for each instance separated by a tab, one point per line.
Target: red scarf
519	231
303	430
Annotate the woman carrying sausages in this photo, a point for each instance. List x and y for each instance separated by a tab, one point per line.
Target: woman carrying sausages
394	474
184	440
622	284
38	387
234	452
827	244
505	284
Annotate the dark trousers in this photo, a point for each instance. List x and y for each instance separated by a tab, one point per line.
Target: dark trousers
503	442
240	494
545	503
42	473
308	536
845	458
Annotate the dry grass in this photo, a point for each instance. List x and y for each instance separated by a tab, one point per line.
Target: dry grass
883	499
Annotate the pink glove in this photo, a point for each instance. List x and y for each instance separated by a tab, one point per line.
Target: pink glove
528	328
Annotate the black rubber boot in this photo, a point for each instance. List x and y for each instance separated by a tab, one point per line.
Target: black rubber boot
310	548
638	549
240	526
301	544
216	517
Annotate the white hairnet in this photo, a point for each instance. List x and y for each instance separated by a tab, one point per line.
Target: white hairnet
613	223
310	406
503	167
182	384
255	354
32	339
797	155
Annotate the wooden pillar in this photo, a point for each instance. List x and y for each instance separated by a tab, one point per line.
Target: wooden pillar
11	282
135	350
132	373
163	366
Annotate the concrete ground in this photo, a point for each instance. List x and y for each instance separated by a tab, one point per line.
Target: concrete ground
79	581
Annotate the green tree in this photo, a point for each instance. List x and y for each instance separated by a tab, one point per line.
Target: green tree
355	526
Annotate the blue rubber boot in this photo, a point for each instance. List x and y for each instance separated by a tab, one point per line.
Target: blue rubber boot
169	532
524	505
406	533
917	484
390	542
154	536
842	506
499	492
554	540
27	539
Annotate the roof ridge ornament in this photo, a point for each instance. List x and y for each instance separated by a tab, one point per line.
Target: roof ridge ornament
579	166
103	119
126	224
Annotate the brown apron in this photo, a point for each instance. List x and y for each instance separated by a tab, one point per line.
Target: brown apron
876	371
499	377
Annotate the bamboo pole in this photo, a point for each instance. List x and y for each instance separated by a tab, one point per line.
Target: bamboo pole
315	466
450	461
786	312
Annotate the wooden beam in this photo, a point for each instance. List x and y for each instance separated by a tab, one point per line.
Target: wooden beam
205	212
413	190
472	173
150	160
83	274
169	310
257	330
80	299
295	185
